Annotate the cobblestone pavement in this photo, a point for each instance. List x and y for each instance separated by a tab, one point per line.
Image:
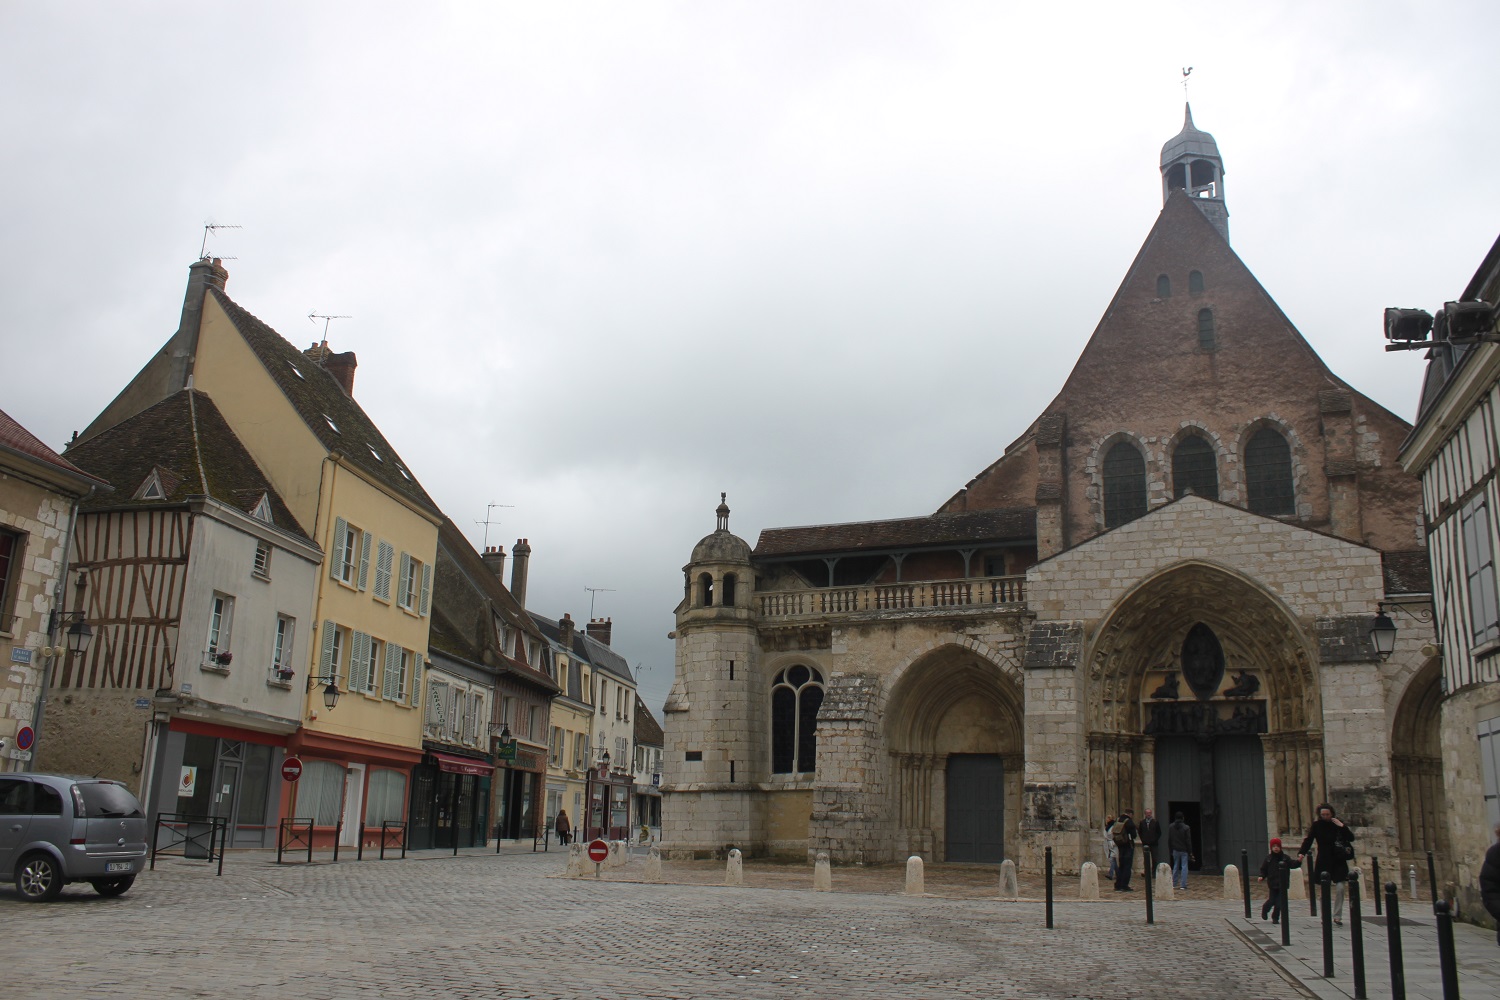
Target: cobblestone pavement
506	926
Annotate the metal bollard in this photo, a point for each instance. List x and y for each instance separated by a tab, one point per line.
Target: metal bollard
1447	957
338	835
1049	886
359	854
1286	916
1312	891
1245	880
1375	881
1393	941
1432	876
1356	937
1326	884
1150	880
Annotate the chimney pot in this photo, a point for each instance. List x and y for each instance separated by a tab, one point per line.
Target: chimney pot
494	558
599	629
520	562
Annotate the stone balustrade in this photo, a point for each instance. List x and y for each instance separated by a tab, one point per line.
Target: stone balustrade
979	593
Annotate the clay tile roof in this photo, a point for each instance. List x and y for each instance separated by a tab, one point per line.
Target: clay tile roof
647	730
15	438
1406	572
933	530
190	444
315	393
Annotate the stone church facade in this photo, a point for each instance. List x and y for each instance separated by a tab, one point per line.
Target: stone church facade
1159	596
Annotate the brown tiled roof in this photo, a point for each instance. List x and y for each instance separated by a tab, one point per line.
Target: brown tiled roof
189	441
933	530
647	730
1406	572
315	394
14	437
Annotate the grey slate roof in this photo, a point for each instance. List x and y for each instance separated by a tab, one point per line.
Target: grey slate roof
931	531
314	393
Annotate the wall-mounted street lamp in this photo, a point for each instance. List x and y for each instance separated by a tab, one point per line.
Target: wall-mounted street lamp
501	732
78	634
1383	627
331	692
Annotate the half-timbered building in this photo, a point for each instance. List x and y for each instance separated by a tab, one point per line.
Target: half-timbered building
1450	743
201	592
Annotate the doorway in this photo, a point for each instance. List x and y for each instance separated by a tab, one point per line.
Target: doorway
1218	783
354	804
975	808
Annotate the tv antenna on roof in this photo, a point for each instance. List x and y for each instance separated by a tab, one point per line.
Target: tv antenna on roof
209	227
596	590
315	316
487	522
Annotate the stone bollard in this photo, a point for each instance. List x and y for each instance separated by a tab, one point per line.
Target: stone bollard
617	855
1010	886
1296	883
578	862
1088	881
822	873
914	881
1232	882
734	873
1163	888
653	865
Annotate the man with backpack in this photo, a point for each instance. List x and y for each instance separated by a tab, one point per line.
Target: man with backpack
1123	834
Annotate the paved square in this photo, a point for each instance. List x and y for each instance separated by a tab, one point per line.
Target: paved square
498	926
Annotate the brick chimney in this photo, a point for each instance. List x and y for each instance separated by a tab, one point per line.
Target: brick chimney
494	558
520	561
565	630
341	367
599	629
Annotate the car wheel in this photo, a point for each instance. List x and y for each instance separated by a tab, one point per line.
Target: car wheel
113	886
38	878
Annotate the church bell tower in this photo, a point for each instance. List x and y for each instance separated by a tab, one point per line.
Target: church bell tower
1190	160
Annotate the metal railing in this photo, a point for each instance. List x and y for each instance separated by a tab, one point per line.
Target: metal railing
295	832
201	838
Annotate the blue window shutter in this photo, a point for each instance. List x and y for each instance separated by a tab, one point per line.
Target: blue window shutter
325	662
364	560
426	587
340	528
416	679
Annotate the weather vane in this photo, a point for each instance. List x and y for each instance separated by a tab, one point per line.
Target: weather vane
1187	71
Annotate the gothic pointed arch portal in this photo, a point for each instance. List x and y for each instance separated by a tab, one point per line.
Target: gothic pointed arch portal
1203	698
1417	769
954	729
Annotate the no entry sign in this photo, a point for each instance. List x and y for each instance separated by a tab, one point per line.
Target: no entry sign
598	851
291	768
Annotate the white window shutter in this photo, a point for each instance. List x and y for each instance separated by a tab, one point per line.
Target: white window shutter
384	554
392	671
359	662
454	721
416	679
401	580
364	559
426	587
325	660
335	565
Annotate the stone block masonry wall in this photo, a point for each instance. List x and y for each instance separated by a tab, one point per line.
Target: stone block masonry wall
97	732
1470	830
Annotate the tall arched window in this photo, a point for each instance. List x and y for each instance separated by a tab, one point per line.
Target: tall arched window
1206	328
796	696
705	590
1196	468
1195	282
726	595
1124	484
1268	473
1163	287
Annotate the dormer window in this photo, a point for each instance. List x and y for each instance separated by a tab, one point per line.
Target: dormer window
151	488
331	425
262	511
296	371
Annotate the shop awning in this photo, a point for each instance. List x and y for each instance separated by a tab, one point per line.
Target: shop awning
461	765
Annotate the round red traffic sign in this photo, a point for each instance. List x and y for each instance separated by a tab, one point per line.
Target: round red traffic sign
598	851
25	736
291	768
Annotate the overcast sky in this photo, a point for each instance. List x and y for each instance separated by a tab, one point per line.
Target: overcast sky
607	260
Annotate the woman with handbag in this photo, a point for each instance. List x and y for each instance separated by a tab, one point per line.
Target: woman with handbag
1335	843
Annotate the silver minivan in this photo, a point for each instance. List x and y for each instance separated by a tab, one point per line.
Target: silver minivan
56	829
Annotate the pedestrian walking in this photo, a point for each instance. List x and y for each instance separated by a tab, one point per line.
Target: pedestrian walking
1275	872
1111	852
1489	881
1150	834
564	828
1123	834
1180	843
1335	843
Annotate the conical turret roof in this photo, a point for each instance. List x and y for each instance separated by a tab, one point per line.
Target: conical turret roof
1191	141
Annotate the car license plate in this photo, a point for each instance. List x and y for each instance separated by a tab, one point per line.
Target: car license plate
117	866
